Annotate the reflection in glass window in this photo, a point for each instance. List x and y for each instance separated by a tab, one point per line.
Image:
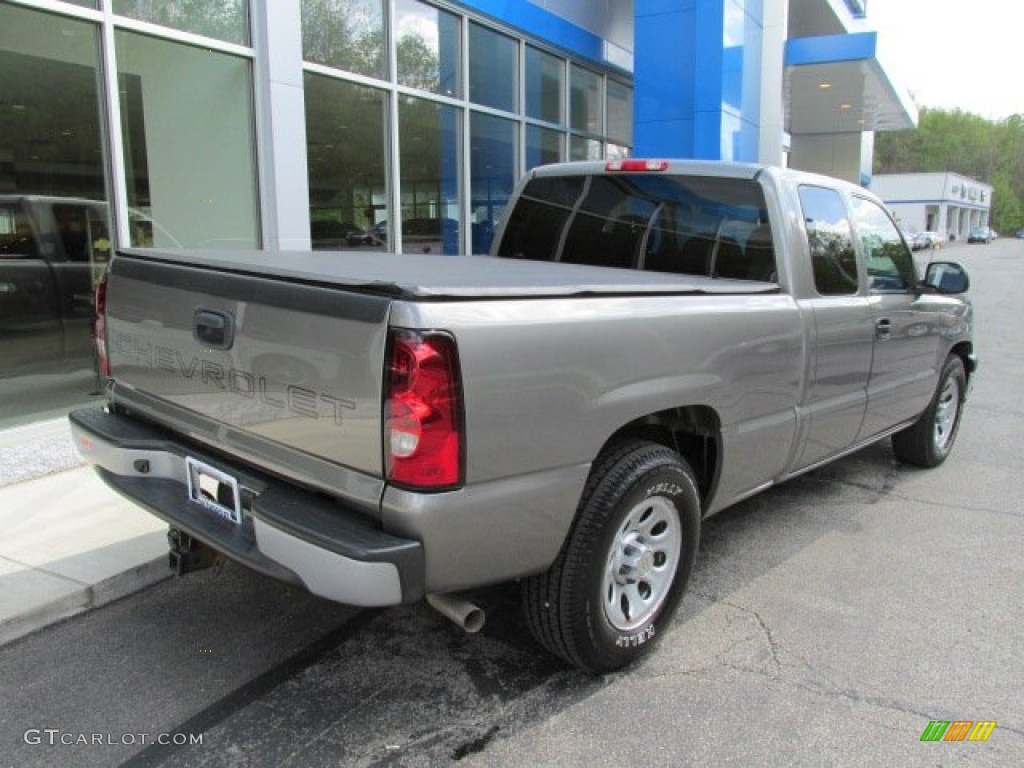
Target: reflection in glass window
346	148
659	223
188	145
889	265
830	240
346	34
428	48
616	152
584	149
429	185
585	107
54	221
545	76
537	221
223	19
492	175
620	112
543	146
493	65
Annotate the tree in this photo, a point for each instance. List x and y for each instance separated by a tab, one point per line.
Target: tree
964	143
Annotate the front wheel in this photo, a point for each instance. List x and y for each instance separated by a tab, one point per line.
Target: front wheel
928	441
624	566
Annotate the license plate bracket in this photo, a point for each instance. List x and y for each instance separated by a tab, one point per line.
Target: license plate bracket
214	490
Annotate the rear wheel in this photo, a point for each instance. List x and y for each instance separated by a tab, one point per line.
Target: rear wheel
930	439
621	571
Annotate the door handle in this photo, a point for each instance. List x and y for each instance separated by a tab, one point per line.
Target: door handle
883	328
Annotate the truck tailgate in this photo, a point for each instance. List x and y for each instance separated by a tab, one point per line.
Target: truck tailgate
286	372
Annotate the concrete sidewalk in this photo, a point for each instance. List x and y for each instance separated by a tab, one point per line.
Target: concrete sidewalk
69	543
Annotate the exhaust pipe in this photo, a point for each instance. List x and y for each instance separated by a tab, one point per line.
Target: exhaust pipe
467	615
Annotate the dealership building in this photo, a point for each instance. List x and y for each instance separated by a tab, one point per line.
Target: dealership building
383	124
947	203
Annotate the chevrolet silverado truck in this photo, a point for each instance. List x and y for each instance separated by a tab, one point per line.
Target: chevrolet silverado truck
648	343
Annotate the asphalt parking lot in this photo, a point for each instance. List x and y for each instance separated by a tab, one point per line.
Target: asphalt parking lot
828	622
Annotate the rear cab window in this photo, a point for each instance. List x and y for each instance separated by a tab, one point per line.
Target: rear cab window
698	225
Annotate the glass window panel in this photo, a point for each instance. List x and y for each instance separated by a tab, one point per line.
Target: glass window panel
223	19
83	3
347	34
545	75
54	221
620	112
493	68
492	175
889	265
543	146
537	221
429	185
616	152
585	107
346	147
428	48
584	149
831	241
187	123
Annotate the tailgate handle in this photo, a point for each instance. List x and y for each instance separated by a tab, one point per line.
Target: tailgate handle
213	329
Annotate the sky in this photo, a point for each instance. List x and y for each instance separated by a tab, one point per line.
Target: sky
965	54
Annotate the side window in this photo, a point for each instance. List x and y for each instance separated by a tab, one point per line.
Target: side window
16	238
73	231
888	262
831	242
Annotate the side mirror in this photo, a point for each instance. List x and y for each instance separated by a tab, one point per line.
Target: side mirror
946	277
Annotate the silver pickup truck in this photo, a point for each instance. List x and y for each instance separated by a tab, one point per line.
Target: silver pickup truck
648	343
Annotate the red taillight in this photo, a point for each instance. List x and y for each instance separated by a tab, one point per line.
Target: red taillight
423	411
637	166
99	327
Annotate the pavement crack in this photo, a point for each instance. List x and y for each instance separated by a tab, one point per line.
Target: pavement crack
773	645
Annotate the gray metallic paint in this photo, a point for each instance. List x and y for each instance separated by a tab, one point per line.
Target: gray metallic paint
555	360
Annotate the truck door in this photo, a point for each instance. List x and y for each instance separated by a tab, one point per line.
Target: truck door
842	332
904	367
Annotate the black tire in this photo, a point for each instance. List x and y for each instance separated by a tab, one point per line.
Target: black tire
928	441
619	576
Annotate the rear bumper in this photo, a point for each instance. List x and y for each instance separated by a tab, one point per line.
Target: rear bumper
285	531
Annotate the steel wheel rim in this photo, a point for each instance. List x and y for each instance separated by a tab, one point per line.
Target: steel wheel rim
641	564
946	411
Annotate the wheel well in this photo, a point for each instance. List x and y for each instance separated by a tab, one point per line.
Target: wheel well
965	351
692	431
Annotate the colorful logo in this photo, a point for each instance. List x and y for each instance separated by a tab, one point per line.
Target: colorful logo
958	730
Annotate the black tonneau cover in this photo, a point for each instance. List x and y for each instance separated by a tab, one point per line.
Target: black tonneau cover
433	277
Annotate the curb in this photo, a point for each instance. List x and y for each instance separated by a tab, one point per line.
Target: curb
87	598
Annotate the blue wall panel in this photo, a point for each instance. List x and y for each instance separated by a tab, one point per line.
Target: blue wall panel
544	25
697	79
